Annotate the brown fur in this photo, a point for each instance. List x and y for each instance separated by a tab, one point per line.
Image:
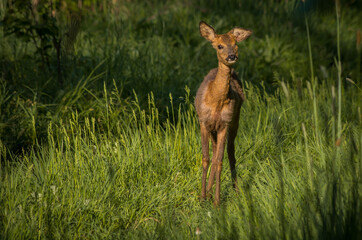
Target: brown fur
218	102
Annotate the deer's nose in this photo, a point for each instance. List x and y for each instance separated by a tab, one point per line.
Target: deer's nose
231	57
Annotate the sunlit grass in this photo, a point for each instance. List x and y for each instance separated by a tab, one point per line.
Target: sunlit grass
141	176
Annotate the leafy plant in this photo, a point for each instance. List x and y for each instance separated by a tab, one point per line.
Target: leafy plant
35	21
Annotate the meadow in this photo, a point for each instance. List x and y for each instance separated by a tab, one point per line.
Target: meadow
99	137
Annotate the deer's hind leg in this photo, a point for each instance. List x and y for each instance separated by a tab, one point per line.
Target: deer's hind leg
231	156
233	130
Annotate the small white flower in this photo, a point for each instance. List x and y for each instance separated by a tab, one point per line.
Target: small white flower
20	208
40	197
198	232
54	189
86	202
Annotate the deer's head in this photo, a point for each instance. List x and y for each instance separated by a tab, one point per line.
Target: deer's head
225	44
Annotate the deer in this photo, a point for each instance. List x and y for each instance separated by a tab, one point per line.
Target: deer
218	102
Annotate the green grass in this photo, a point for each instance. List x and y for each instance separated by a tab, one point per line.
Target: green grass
115	153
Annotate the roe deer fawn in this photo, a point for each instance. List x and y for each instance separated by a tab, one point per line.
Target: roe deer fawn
218	102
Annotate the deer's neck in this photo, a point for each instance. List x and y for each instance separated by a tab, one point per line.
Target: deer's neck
220	86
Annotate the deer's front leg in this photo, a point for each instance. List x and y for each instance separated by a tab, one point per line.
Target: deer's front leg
217	160
205	158
213	136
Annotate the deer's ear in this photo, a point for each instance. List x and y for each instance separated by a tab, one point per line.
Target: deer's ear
207	31
240	34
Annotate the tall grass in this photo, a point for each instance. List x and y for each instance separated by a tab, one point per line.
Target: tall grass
140	177
116	154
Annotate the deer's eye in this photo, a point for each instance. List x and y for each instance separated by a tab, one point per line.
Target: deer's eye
220	47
